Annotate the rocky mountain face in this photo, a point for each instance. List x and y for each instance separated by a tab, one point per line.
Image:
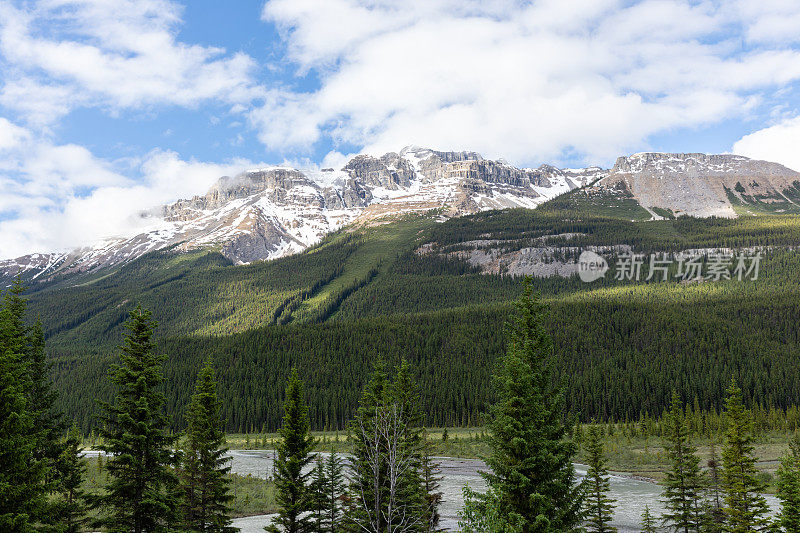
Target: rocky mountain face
272	212
703	185
276	211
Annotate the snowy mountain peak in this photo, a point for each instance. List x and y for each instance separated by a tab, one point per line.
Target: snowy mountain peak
269	212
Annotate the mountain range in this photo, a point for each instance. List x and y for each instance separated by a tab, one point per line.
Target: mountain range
277	211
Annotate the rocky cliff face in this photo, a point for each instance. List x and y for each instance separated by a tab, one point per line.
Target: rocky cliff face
271	212
704	185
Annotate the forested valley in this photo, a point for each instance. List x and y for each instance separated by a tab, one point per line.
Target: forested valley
363	292
157	480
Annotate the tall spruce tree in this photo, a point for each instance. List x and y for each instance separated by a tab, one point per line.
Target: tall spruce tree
405	448
745	507
388	490
431	481
68	509
52	448
142	492
367	492
648	521
22	476
48	428
713	514
598	505
294	497
319	496
532	484
789	488
683	482
206	487
334	476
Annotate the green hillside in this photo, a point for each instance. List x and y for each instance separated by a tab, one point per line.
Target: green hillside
369	292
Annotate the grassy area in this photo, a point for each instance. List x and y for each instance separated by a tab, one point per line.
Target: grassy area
460	442
252	495
645	457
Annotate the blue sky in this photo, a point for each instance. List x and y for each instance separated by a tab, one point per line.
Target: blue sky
108	107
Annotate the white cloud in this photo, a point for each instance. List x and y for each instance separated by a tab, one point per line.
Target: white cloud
778	143
60	54
527	81
11	135
770	21
62	196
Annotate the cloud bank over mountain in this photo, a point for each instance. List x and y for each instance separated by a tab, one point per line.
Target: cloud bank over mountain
547	81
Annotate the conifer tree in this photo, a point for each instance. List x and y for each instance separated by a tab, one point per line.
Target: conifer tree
49	422
21	495
48	425
648	521
599	507
294	454
206	487
51	446
713	514
388	490
682	484
532	484
368	468
22	490
745	507
319	494
789	488
405	448
68	509
431	481
334	474
142	492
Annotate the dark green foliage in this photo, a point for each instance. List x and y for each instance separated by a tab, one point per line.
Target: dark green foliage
335	489
648	521
388	488
789	488
257	321
327	489
64	509
745	507
532	486
682	484
206	491
42	472
598	505
647	341
294	454
713	512
68	510
141	495
431	483
318	490
22	476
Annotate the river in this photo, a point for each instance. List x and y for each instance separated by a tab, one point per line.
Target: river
631	494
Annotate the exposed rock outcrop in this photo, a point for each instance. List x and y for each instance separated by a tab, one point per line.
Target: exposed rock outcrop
270	212
702	185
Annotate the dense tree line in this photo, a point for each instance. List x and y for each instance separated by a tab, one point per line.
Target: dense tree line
726	497
376	294
156	485
39	465
644	341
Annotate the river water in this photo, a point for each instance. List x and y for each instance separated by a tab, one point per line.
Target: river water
631	494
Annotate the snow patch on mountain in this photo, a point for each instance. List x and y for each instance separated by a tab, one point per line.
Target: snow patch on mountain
270	212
